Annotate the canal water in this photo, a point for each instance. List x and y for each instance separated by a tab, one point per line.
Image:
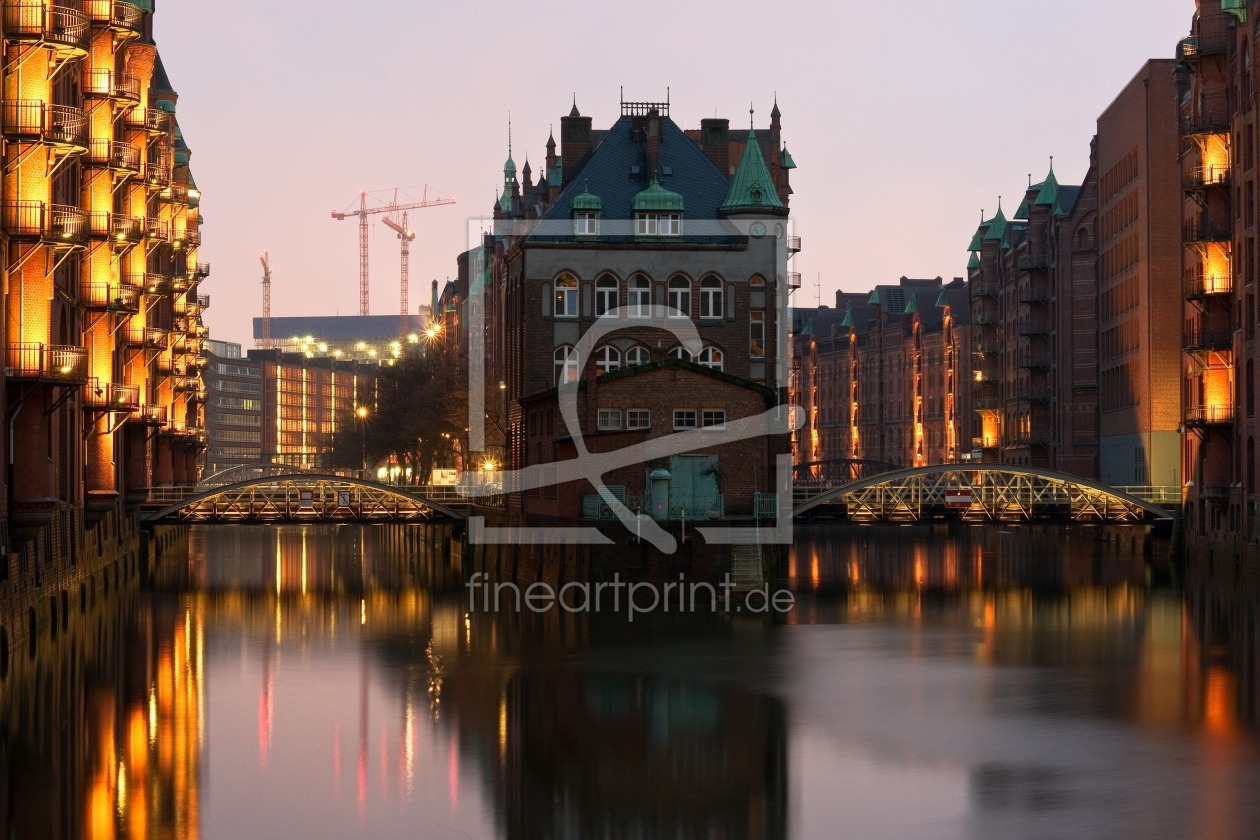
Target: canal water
307	682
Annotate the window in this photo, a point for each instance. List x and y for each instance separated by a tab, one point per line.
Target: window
607	358
586	223
757	334
710	298
711	357
637	355
566	365
680	297
566	297
713	418
680	352
640	297
658	224
605	295
638	418
684	418
609	419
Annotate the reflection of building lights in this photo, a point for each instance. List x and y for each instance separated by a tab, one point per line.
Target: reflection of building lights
122	789
362	611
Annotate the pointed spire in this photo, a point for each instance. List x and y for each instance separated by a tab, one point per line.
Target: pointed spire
551	139
997	225
573	112
752	188
509	165
1049	192
774	112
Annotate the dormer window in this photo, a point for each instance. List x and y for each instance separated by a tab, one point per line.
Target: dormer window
659	224
658	211
586	223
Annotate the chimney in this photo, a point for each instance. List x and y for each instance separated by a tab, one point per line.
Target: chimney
575	142
653	142
714	140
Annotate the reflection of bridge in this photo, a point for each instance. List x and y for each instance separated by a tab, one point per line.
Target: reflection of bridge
299	497
975	492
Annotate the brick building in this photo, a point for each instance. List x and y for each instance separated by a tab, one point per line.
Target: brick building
667	233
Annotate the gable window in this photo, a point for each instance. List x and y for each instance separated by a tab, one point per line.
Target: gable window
757	334
711	357
566	305
638	418
681	352
713	418
605	295
586	223
607	359
680	297
640	297
609	419
684	418
710	298
566	365
658	224
637	355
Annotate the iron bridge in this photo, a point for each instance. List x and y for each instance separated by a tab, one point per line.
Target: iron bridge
310	497
979	493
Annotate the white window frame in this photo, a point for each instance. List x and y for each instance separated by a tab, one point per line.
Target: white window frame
757	334
669	224
607	291
604	419
678	297
638	352
643	415
713	418
565	297
685	418
645	224
711	298
639	298
565	364
607	359
712	357
586	223
683	353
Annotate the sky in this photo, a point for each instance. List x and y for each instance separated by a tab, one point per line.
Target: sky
905	120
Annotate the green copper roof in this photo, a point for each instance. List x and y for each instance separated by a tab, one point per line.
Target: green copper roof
912	305
977	239
997	226
555	173
656	197
1021	212
165	105
974	262
751	187
505	201
873	300
785	160
1237	8
585	200
848	317
1049	189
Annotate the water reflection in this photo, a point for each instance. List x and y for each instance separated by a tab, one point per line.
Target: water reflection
309	682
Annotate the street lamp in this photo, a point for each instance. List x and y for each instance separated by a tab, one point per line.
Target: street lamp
362	413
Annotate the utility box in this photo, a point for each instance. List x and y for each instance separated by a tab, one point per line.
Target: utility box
658	494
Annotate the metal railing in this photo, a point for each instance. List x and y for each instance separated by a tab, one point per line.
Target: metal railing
152	415
114	154
57	25
1208	415
1156	494
1198	338
1206	230
110	396
106	296
155	228
1201	177
793	244
117	14
49	362
1202	285
157	175
99	82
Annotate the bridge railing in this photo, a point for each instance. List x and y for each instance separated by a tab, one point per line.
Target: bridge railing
443	494
1157	494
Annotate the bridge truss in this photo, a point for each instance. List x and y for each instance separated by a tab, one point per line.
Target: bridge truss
981	492
302	498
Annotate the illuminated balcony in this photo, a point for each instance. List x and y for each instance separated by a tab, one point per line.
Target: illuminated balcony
59	225
186	384
153	120
192	238
1198	339
200	272
114	155
1192	48
103	297
150	415
56	363
203	302
175	193
66	31
157	176
180	345
1206	230
126	20
1205	285
156	284
33	120
106	84
1198	416
156	229
139	337
111	397
117	227
1205	177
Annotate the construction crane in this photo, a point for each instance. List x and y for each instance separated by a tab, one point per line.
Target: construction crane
406	234
266	284
363	212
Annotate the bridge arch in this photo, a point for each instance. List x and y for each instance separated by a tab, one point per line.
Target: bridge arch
854	468
310	497
244	472
998	491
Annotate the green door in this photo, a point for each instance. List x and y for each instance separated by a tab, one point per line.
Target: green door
694	486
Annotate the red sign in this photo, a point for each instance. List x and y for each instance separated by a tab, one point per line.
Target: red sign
958	497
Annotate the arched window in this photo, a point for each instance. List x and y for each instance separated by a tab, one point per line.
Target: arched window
566	296
607	358
637	355
711	357
680	352
640	297
566	364
605	294
710	298
680	297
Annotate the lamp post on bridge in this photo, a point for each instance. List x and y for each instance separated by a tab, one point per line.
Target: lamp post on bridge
362	413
